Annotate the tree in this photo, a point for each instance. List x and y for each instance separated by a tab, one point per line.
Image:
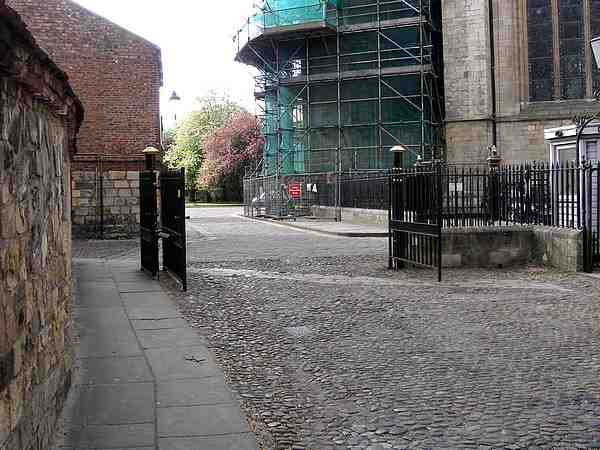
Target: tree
187	148
228	150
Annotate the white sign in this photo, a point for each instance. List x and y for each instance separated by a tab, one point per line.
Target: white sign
456	187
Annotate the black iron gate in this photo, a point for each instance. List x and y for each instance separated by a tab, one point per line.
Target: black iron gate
591	213
415	218
172	224
172	213
148	223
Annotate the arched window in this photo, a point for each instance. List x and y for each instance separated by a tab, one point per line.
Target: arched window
561	65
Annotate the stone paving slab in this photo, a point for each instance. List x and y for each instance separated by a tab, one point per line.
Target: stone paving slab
206	391
133	345
153	312
159	324
203	420
244	441
118	404
168	338
115	370
182	363
112	436
135	286
97	294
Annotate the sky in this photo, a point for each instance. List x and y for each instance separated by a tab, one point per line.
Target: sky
196	38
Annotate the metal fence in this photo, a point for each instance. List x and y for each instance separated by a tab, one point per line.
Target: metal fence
296	195
563	195
532	194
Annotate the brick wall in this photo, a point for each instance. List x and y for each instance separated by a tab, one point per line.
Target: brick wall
116	74
39	119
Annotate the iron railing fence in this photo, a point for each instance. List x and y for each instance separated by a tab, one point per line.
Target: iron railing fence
296	194
365	190
527	194
565	195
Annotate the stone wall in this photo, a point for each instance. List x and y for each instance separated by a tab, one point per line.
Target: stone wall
39	118
500	247
105	204
353	215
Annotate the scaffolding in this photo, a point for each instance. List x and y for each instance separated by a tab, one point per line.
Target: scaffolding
342	82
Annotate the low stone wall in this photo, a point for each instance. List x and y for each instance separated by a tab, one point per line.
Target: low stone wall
559	247
489	246
511	246
40	117
105	204
353	215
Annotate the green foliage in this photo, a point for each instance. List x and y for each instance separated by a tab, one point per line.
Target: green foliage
187	143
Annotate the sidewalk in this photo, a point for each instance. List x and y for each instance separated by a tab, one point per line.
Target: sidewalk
146	379
330	227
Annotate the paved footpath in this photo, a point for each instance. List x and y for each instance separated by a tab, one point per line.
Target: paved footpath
146	379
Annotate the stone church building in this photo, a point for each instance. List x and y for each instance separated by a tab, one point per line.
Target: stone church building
117	75
514	68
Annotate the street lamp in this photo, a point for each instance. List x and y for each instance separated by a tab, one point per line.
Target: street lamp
399	151
150	153
174	100
584	120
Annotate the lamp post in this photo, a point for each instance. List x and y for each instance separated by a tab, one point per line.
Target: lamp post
150	153
398	151
174	102
582	121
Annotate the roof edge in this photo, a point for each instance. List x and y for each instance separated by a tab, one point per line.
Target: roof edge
121	27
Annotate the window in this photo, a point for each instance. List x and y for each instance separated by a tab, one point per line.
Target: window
561	65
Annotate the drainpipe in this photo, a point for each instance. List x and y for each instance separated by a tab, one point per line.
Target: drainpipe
493	71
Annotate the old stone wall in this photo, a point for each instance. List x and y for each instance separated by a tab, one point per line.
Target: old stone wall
39	117
105	203
500	247
352	215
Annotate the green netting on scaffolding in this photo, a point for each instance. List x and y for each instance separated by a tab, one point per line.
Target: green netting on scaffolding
363	11
281	13
319	125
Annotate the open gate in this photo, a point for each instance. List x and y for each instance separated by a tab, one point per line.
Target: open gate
415	218
148	223
172	232
172	224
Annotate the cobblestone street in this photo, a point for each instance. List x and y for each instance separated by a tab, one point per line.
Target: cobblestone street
327	349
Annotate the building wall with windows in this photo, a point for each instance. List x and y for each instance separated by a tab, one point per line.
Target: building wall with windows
544	73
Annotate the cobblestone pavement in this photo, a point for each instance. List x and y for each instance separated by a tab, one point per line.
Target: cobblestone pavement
329	350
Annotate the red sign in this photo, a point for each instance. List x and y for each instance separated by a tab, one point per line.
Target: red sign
295	190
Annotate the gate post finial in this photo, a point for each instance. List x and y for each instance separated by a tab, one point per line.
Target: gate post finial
150	153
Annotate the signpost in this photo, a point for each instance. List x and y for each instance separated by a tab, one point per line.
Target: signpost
295	191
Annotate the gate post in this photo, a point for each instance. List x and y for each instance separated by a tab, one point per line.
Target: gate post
493	160
586	204
439	200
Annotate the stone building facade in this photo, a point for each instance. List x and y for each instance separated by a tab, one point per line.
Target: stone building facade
542	73
39	120
118	76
